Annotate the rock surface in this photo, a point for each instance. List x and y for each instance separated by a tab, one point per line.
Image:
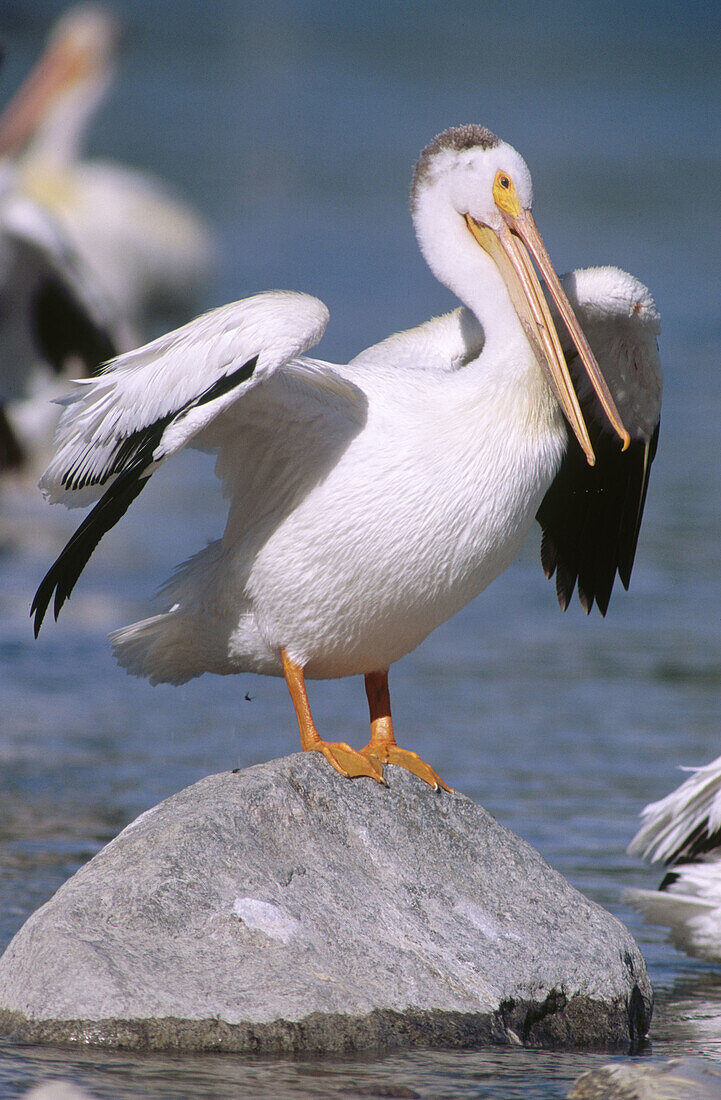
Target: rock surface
284	908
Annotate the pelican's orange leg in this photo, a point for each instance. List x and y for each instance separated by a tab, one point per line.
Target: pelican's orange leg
343	758
382	745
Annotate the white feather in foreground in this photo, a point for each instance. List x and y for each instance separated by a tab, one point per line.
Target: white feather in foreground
683	830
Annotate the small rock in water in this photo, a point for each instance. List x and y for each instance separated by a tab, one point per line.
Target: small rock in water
284	908
57	1090
677	1079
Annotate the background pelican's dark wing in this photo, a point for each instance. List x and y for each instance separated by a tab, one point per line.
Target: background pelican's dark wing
12	454
53	323
65	329
591	515
51	312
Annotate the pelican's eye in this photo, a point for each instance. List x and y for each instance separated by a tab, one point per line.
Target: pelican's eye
505	196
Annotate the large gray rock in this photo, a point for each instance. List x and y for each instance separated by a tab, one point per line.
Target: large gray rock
284	908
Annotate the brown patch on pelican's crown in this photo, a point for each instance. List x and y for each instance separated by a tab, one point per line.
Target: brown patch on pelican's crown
458	138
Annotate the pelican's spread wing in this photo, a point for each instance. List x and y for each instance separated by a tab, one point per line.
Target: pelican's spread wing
591	515
117	428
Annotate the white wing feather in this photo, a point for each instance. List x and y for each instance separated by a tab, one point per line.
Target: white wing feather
682	830
670	824
445	343
620	319
162	394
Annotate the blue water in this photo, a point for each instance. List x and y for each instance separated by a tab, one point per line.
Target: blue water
294	127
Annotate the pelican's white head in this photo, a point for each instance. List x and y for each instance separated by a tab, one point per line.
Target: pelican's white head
471	189
460	169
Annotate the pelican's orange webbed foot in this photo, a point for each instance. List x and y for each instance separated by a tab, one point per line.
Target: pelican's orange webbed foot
347	761
404	758
382	746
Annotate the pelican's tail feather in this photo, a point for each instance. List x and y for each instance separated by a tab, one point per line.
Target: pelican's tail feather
192	636
161	648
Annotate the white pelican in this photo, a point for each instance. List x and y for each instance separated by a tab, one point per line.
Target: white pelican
148	250
54	324
369	502
683	830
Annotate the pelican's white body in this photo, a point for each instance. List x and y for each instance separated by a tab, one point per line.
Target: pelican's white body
350	563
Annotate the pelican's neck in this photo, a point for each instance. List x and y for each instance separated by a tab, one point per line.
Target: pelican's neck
458	262
60	134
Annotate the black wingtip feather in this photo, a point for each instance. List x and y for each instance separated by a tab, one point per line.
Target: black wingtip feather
140	447
696	844
565	583
549	556
63	574
134	453
591	517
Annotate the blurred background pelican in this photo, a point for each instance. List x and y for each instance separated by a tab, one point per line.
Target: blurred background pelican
128	254
55	324
150	252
